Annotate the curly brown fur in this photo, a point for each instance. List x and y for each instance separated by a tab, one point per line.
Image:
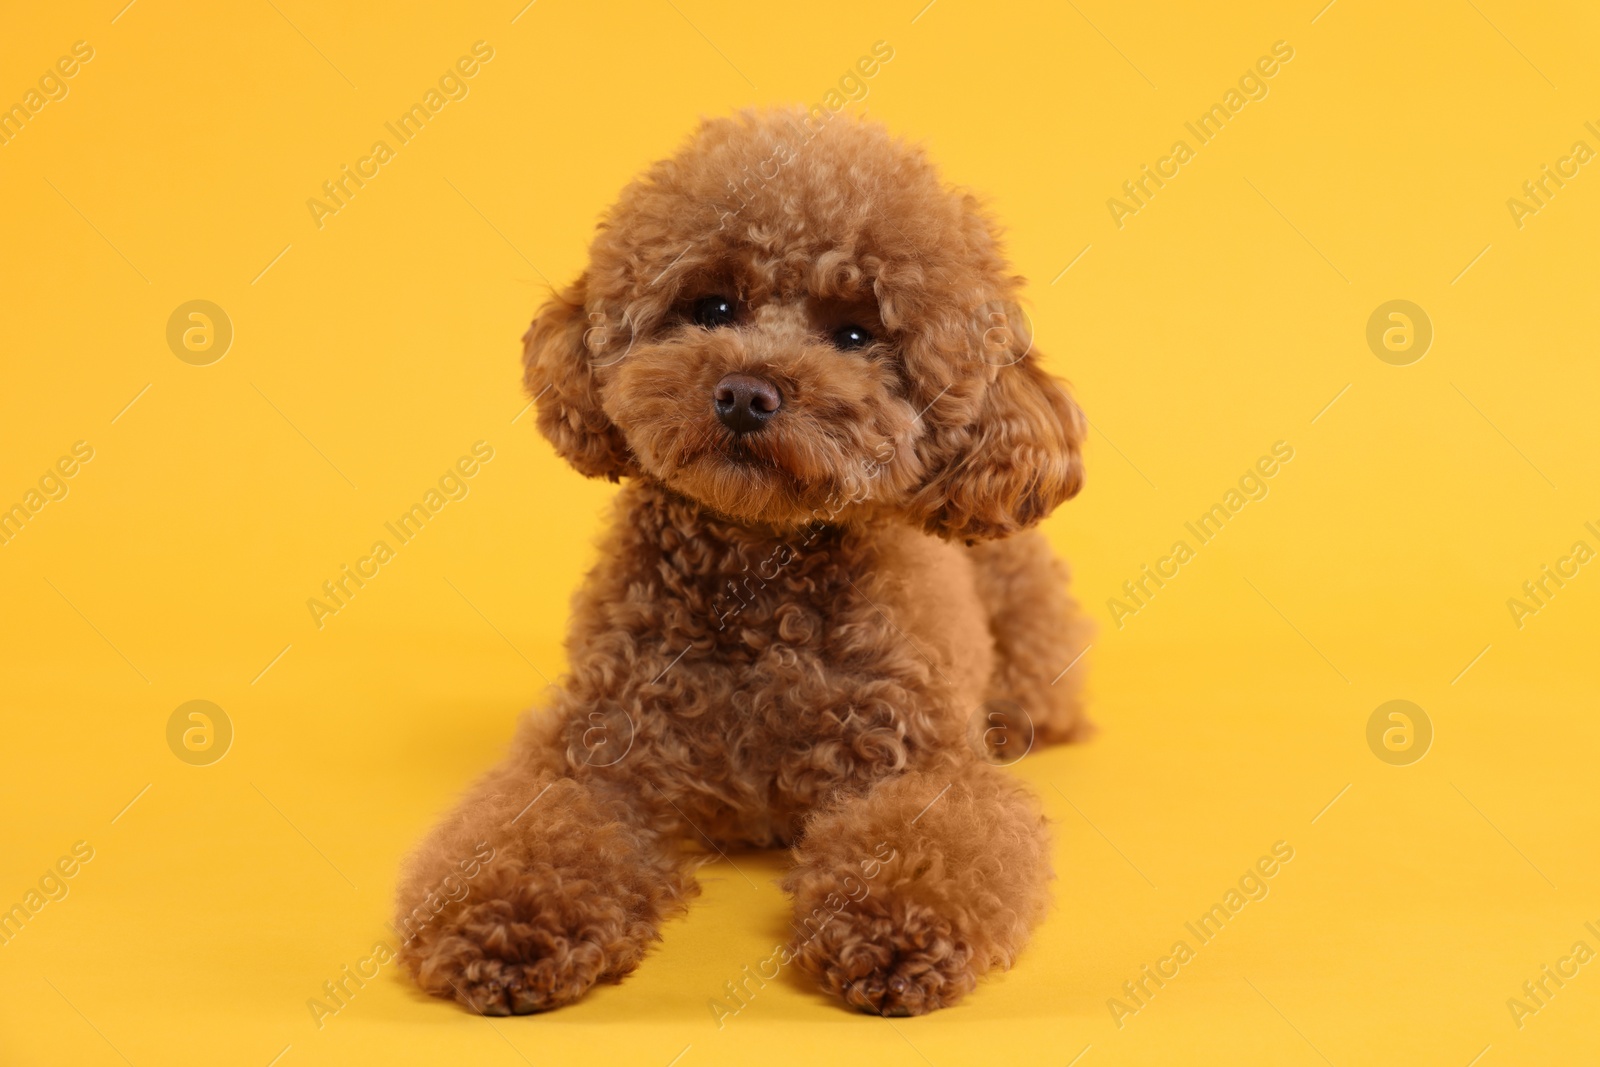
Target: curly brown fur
966	881
791	627
1040	636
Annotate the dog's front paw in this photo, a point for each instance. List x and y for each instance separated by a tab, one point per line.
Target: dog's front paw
535	947
888	956
491	986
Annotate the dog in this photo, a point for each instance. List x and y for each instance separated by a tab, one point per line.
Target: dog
820	613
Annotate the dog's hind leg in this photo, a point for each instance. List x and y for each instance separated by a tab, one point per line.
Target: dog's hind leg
1040	636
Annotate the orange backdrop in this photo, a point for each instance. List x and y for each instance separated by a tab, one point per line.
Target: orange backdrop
239	339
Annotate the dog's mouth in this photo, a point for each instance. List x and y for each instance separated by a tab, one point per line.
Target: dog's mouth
742	452
760	476
756	460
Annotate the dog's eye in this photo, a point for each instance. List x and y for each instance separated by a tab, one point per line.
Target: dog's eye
849	337
713	311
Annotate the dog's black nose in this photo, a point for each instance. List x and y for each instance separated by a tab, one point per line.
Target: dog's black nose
745	404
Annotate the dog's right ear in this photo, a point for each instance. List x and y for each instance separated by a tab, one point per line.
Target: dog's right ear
558	369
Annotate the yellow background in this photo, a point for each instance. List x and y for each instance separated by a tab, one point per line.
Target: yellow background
1223	317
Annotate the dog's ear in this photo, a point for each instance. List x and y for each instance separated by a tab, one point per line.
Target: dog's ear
1021	458
559	363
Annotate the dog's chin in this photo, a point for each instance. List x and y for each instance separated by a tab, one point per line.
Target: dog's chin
746	488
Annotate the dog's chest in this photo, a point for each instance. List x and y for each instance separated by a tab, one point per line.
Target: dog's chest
820	660
834	611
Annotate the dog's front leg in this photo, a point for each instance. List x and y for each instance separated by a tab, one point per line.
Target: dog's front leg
906	894
546	879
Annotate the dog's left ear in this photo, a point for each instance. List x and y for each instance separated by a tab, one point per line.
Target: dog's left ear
1022	458
560	353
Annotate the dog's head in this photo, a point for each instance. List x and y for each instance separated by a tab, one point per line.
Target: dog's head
794	320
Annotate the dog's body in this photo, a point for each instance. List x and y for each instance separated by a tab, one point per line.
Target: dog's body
812	623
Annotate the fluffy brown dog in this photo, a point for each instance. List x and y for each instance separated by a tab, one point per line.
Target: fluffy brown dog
816	613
